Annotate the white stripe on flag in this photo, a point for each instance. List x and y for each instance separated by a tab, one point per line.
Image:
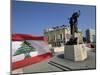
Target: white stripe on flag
40	48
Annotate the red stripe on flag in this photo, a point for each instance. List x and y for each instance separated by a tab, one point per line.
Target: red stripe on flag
21	37
32	60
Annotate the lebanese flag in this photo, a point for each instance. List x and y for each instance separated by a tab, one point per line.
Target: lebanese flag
28	49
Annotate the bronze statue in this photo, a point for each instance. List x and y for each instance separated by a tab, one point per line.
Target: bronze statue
73	26
73	22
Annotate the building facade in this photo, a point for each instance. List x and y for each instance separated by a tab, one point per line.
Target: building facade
57	36
91	35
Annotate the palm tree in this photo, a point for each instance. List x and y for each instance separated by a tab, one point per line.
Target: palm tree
25	49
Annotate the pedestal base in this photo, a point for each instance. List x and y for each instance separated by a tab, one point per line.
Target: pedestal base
75	52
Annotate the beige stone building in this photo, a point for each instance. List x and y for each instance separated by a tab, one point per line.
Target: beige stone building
57	36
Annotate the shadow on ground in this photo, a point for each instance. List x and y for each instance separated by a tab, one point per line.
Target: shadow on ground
61	56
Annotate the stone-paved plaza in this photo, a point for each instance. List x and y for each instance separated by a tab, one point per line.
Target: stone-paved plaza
58	64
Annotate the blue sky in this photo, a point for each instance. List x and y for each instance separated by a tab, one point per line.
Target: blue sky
33	18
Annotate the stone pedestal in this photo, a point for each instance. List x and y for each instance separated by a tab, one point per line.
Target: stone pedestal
75	52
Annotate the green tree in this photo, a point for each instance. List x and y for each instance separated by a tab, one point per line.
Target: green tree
25	49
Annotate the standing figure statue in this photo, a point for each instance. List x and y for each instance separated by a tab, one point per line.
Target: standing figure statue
73	22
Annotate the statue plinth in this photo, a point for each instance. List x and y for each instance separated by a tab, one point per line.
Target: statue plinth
75	52
75	49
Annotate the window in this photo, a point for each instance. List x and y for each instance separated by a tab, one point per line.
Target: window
60	36
54	37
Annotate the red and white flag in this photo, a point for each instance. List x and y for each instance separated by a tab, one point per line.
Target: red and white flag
28	49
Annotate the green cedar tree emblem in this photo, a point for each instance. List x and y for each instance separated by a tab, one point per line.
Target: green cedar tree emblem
25	49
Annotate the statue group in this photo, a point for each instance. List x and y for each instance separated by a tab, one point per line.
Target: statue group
73	21
75	48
